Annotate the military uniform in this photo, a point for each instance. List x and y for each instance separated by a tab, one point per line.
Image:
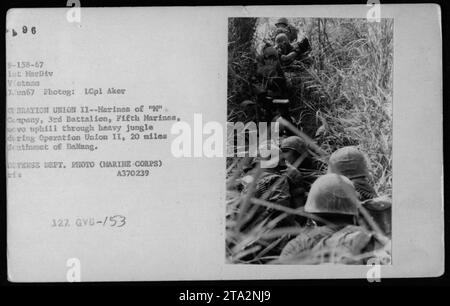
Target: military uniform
270	83
272	186
352	163
283	25
334	194
301	47
336	244
297	185
272	80
269	73
380	210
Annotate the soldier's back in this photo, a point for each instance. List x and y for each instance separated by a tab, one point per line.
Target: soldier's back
305	241
330	244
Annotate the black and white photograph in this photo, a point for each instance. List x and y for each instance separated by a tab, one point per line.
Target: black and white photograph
324	193
222	144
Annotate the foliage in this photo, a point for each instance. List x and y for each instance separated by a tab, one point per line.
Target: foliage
343	98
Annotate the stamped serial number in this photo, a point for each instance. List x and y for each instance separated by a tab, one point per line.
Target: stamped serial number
133	173
108	221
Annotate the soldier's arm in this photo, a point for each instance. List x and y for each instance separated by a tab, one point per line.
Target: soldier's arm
289	57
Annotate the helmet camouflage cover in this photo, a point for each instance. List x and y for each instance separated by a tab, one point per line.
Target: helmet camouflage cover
294	143
333	194
349	161
281	31
281	38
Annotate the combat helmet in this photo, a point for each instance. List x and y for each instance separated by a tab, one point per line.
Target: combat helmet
294	143
281	31
349	161
281	37
332	194
282	20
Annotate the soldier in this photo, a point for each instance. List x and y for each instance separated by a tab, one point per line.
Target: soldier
352	163
292	149
336	237
295	152
270	74
270	83
271	185
283	24
290	52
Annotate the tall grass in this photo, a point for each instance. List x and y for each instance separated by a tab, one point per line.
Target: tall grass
344	98
352	84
